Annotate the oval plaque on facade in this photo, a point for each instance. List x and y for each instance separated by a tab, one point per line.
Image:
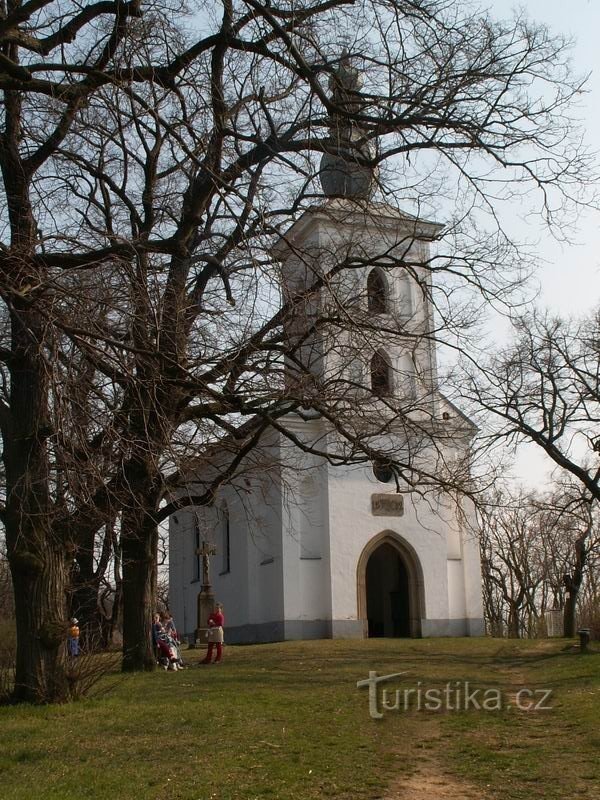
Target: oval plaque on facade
387	505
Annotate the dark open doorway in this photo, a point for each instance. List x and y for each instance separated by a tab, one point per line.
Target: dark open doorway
387	593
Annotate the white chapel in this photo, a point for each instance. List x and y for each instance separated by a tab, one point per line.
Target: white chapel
312	545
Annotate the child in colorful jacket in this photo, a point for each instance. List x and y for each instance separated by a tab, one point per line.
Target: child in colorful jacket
216	620
73	638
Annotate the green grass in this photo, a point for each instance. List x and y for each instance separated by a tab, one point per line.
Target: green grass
287	721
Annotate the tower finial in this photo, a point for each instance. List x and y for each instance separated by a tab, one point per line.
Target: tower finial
342	173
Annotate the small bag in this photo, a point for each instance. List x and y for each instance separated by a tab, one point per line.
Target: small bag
215	635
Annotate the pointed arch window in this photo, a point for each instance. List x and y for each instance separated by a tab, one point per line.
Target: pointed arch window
377	294
225	541
381	375
197	561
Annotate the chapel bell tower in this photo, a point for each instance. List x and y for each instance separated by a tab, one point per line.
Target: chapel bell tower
360	264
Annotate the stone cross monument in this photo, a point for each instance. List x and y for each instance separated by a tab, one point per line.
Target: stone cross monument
206	598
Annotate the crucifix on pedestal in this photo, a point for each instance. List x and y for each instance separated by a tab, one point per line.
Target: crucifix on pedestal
206	598
206	551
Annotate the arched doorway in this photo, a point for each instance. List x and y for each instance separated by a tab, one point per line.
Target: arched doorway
390	588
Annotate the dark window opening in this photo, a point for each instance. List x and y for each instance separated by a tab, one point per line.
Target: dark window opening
376	293
383	471
197	557
226	563
381	379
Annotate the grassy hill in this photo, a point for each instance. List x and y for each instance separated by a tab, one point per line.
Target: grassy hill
288	721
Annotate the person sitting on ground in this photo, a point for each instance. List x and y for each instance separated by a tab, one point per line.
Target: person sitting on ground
171	631
165	651
157	628
169	625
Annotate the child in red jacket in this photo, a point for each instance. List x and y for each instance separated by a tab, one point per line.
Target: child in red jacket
216	620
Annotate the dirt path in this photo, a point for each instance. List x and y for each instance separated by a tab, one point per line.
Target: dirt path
430	781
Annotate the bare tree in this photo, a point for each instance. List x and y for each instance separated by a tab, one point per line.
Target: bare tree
545	389
538	554
148	167
575	517
513	566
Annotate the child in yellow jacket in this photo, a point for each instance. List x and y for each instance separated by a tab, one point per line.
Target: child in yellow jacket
73	638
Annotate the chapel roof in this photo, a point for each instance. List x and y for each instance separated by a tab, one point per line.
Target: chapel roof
352	213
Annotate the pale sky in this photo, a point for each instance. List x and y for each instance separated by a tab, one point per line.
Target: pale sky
571	278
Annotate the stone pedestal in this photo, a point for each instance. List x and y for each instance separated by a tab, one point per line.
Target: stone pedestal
206	603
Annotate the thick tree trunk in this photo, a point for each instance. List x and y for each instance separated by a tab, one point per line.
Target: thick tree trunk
573	583
40	579
84	606
514	626
139	545
87	577
569	614
38	558
37	554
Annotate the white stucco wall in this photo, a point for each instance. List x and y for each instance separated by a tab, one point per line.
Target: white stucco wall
352	527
